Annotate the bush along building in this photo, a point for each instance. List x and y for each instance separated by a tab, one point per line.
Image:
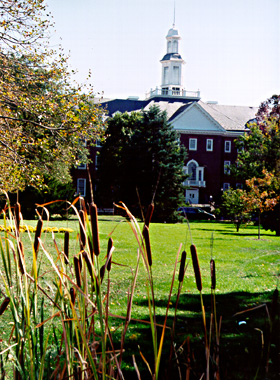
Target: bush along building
207	130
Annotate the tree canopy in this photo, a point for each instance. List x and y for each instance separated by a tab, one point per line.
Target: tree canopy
258	164
44	119
259	148
142	160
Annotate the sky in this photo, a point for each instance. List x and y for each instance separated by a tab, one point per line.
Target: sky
231	47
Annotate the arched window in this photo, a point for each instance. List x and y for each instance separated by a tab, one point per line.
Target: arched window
175	46
192	169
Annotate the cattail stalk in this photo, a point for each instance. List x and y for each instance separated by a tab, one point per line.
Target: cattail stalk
199	288
85	256
66	247
102	273
17	217
77	266
4	305
94	228
182	266
109	247
213	274
149	214
73	295
20	251
82	229
38	235
146	236
196	268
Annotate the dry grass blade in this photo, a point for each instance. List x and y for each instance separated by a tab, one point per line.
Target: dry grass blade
94	228
196	268
4	305
136	367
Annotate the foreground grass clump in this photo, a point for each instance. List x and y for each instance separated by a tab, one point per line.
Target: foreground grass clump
114	299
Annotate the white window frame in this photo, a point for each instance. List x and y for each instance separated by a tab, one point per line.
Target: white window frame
97	157
226	168
84	182
82	166
239	185
226	186
165	75
227	146
210	142
192	140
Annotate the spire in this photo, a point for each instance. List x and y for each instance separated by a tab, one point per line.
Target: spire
174	14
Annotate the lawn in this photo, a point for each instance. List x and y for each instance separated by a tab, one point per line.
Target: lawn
247	273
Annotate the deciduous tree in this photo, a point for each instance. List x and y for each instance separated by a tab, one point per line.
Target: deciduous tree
43	118
259	160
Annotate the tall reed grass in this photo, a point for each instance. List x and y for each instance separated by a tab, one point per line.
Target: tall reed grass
68	334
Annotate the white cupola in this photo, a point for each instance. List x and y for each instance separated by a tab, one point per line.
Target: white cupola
172	62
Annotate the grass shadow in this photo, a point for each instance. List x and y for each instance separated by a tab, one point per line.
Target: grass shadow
240	344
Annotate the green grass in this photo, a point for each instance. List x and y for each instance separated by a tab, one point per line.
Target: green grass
247	274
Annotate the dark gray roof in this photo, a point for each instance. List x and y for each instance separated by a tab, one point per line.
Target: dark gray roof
129	105
169	56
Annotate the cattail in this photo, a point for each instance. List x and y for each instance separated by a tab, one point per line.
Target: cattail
38	235
4	305
196	268
85	256
182	266
77	266
20	256
82	229
274	305
146	236
73	295
94	228
66	247
110	246
102	273
17	217
213	274
149	214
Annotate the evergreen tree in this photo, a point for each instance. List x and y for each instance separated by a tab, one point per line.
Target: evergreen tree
142	160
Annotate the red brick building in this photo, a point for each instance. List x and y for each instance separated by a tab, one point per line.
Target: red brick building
207	130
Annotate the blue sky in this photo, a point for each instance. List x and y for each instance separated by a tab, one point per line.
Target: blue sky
231	47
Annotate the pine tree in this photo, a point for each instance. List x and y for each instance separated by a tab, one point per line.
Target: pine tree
142	161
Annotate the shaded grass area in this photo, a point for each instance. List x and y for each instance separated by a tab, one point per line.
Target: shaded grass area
247	274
